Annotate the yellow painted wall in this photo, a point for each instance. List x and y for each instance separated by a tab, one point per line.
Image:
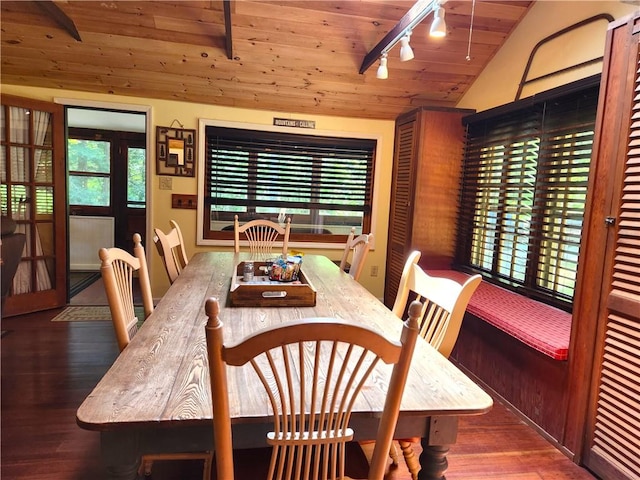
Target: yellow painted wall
498	83
159	201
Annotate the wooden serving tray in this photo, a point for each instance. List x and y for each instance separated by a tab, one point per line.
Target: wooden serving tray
263	292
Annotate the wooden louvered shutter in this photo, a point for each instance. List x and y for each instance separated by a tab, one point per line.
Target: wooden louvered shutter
425	180
401	210
614	444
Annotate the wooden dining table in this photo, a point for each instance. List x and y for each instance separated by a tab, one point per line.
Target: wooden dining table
156	396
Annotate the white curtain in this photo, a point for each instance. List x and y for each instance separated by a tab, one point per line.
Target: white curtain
20	170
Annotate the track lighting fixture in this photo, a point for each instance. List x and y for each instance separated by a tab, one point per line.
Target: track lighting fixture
406	53
383	71
438	26
401	33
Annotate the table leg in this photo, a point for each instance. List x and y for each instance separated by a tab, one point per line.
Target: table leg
120	454
433	462
442	432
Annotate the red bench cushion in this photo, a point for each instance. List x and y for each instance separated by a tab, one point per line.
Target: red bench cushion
541	326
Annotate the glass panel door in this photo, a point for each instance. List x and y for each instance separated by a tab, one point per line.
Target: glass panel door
33	196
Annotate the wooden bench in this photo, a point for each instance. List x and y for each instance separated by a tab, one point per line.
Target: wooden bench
517	347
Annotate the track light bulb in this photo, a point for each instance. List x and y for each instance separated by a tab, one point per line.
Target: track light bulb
383	71
406	53
438	26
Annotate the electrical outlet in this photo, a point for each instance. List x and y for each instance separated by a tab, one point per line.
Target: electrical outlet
166	183
374	271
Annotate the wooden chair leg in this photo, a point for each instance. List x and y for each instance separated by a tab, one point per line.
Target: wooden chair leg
145	466
393	453
147	462
208	460
413	463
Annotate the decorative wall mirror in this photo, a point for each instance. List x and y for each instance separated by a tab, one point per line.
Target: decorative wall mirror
175	151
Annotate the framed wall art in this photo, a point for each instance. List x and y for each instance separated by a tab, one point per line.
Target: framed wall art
176	151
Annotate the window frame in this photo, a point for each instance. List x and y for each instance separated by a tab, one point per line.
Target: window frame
118	140
298	240
541	228
93	135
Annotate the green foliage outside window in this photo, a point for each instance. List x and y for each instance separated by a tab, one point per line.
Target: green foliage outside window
89	172
136	177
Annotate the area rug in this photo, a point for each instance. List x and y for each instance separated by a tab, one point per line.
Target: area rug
89	313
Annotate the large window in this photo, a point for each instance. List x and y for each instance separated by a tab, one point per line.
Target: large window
524	191
323	184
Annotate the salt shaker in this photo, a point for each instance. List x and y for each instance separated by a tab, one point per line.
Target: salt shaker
247	272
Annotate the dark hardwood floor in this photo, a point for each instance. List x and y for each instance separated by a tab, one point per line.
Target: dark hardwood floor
48	368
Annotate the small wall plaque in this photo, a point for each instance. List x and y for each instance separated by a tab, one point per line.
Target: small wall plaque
292	122
175	151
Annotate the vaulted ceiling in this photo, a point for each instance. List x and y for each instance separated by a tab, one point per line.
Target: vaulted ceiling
289	56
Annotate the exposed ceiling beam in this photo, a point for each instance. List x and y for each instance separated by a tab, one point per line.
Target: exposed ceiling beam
415	15
227	29
60	17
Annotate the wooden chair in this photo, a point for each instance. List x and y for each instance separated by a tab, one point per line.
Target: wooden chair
445	302
171	249
311	416
360	247
117	269
262	236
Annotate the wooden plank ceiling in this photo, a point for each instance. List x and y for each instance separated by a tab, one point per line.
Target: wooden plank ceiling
289	56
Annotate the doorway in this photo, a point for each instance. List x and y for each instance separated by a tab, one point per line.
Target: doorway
106	172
